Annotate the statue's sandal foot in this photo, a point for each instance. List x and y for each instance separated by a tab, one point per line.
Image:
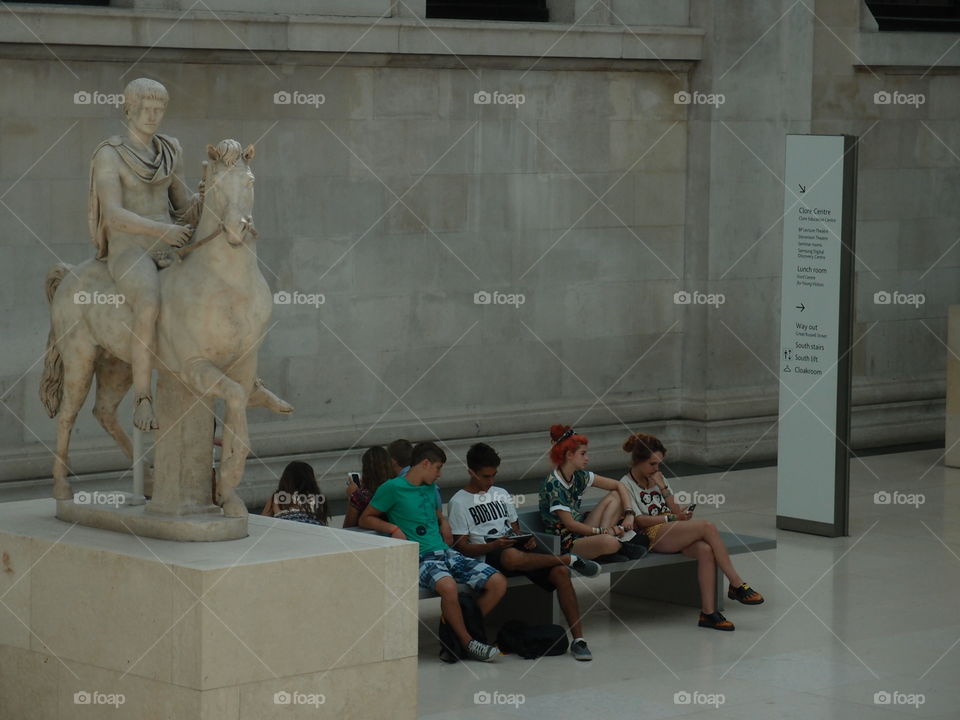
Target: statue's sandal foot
143	417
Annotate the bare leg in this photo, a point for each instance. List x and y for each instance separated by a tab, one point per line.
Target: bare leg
446	588
607	512
595	546
706	573
677	536
567	598
136	277
520	561
492	593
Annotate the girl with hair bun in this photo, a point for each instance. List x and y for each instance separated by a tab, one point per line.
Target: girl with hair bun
670	529
597	533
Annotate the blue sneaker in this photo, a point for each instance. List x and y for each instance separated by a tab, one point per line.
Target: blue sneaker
580	651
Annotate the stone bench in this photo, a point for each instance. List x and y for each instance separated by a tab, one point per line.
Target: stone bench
656	576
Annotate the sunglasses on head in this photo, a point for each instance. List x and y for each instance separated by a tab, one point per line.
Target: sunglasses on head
566	433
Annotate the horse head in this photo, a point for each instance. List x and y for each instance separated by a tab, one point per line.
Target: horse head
228	189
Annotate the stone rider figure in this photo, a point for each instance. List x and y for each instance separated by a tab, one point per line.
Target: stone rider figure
137	198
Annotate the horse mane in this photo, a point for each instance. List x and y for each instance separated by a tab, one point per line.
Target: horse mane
229	152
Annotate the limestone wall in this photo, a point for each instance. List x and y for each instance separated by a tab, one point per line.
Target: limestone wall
403	194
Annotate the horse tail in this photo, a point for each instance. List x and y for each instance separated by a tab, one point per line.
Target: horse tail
51	383
54	278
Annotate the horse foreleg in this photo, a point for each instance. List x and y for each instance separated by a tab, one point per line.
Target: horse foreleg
207	379
114	378
78	368
261	397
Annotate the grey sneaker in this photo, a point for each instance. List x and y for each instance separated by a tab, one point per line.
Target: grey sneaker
580	651
481	651
587	568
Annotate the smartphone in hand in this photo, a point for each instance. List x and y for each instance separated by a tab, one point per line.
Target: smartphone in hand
354	477
691	508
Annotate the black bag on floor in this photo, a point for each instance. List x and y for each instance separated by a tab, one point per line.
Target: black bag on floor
450	648
532	641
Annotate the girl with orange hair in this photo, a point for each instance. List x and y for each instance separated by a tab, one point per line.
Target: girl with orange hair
582	536
670	529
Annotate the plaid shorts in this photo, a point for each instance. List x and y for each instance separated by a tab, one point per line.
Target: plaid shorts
438	564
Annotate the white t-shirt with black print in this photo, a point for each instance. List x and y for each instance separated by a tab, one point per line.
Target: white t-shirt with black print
482	515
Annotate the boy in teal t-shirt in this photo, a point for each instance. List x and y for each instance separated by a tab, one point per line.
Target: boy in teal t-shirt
413	509
405	508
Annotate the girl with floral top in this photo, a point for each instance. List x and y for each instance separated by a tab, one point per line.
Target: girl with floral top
670	529
596	533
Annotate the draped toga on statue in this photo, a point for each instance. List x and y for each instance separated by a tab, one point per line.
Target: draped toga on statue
158	171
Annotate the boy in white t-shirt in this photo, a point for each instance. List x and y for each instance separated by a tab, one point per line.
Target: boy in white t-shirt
482	519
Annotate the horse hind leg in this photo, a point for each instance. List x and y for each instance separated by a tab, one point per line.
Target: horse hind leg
79	360
114	378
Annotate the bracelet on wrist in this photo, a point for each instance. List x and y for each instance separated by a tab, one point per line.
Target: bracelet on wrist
629	511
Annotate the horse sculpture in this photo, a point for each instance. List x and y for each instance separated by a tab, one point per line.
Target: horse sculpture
214	310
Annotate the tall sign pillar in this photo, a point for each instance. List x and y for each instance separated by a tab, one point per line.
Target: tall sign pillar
816	317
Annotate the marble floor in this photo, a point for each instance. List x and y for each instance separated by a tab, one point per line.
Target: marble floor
848	623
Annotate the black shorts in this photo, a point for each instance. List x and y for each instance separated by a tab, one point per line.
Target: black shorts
540	578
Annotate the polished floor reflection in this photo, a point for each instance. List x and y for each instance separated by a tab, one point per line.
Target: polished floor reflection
866	626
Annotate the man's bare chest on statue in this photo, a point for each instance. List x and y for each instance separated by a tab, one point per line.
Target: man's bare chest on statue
142	198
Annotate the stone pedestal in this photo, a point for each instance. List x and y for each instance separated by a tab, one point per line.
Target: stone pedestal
294	621
952	456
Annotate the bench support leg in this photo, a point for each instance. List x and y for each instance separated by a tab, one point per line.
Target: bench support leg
674	583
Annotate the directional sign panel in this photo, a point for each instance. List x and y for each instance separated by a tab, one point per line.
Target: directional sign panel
815	321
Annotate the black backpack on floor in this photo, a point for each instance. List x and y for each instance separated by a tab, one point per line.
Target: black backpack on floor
532	641
450	647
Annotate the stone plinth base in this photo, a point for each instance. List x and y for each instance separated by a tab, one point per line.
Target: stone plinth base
137	520
292	621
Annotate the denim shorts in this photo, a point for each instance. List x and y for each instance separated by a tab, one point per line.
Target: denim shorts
438	564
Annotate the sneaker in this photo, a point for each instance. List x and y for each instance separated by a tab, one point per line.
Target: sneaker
587	568
447	656
580	651
481	651
715	620
745	594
